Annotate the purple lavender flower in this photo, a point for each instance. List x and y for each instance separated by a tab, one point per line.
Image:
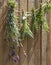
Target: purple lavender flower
14	59
12	53
17	57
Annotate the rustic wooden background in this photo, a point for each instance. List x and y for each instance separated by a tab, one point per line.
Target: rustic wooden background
37	49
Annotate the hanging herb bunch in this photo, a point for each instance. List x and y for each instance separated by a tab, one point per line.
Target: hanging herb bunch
25	27
39	17
42	19
34	23
11	31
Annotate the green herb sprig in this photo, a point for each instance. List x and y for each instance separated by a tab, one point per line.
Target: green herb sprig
34	22
25	28
42	19
39	19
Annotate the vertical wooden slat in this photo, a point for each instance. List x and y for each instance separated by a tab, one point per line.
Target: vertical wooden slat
5	50
41	41
37	41
45	43
18	48
49	38
30	41
50	41
23	59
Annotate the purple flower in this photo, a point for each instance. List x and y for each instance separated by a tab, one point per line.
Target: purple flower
17	57
12	53
14	59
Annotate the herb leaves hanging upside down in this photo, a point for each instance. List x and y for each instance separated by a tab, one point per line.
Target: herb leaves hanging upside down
11	32
34	22
42	19
11	28
25	28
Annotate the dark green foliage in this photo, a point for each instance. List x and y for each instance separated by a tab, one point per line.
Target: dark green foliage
34	21
11	32
39	19
11	29
42	19
40	15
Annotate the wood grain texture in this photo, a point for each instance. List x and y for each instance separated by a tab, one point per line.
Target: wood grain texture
31	46
50	41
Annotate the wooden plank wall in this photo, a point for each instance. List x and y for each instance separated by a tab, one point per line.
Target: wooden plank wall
49	46
31	46
50	42
44	44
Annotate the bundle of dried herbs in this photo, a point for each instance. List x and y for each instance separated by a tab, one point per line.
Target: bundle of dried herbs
39	18
25	31
11	30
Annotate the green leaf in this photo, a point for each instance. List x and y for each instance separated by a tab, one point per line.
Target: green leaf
45	26
28	31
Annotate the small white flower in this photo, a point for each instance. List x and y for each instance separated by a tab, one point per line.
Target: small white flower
24	17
